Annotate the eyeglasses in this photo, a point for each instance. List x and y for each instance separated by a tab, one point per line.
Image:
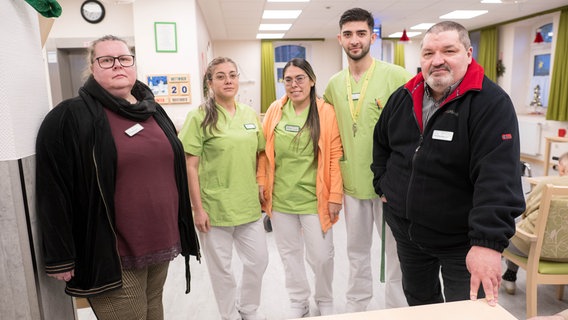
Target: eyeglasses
299	80
107	62
223	77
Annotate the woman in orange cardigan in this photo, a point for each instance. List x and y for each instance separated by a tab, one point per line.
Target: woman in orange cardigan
301	186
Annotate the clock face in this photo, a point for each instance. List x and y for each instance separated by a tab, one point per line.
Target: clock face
93	11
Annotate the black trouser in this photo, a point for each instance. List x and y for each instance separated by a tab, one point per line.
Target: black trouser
421	267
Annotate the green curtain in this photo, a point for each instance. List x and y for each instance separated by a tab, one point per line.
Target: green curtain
558	96
487	53
399	54
267	83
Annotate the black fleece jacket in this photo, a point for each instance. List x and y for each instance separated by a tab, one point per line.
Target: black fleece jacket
457	180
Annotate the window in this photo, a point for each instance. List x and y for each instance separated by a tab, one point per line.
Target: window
541	64
546	32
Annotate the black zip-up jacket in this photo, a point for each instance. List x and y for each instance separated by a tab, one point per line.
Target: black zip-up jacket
457	181
75	172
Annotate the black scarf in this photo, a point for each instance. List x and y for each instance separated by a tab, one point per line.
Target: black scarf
141	110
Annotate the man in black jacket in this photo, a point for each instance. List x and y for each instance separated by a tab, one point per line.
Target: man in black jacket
446	165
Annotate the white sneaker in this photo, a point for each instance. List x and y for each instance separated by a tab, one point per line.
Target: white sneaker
355	306
253	315
510	286
299	311
325	308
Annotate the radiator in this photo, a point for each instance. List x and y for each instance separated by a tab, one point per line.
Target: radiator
530	137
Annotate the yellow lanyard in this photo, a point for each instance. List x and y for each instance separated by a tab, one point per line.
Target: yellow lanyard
355	112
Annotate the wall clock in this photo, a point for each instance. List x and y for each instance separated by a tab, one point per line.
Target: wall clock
93	11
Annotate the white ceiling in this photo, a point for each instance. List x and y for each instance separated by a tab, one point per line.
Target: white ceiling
240	19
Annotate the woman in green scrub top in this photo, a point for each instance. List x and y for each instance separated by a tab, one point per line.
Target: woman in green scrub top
221	139
301	186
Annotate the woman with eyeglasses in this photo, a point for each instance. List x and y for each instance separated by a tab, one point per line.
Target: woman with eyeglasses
112	190
221	139
301	187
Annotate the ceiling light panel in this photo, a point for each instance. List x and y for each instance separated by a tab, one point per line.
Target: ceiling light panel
287	0
281	14
422	26
274	26
463	14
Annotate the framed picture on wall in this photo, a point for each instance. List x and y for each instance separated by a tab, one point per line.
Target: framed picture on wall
541	65
165	36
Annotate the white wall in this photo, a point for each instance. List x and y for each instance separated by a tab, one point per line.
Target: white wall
513	46
326	61
184	61
204	46
118	21
412	56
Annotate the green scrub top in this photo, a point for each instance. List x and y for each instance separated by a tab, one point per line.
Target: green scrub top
227	163
295	174
357	157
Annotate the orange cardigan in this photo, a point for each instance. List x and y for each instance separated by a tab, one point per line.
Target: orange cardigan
329	184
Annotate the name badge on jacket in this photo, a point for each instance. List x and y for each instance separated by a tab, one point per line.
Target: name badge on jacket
443	135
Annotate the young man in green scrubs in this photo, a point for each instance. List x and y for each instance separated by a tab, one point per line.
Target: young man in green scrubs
358	94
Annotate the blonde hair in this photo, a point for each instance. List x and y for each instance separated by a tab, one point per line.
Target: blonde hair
91	52
211	114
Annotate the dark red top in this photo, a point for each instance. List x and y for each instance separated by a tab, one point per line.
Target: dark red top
146	197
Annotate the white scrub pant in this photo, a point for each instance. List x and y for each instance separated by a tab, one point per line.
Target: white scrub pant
292	232
250	243
360	215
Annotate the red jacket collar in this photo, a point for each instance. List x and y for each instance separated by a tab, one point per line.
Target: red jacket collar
472	80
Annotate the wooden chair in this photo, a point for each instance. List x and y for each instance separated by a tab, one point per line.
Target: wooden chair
551	228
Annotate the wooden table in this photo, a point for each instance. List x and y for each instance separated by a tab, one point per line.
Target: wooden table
549	141
462	310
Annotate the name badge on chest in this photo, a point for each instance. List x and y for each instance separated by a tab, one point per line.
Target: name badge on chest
442	135
250	126
292	128
134	130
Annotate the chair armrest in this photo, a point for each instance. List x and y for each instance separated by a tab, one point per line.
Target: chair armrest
523	235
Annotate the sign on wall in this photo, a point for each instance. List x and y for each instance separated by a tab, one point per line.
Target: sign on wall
170	88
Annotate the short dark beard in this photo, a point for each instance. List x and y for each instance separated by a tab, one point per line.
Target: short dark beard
360	56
